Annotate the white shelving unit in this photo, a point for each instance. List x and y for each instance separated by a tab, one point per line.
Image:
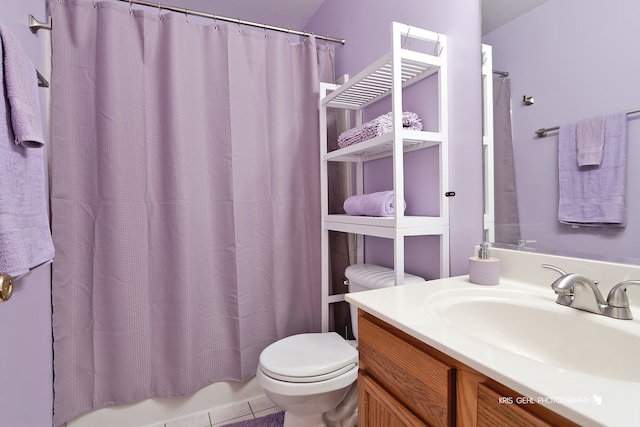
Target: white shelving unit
388	76
487	143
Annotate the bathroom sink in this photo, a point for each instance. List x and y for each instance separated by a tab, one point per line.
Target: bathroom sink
531	325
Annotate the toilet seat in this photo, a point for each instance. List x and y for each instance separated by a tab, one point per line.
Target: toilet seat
308	358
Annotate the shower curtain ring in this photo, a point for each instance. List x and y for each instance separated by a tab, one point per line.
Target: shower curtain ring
130	8
239	28
159	12
186	14
215	22
288	34
266	36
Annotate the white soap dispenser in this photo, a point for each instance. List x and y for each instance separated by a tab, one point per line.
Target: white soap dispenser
483	269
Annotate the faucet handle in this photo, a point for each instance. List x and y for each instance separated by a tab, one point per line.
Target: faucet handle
618	294
618	302
553	267
565	296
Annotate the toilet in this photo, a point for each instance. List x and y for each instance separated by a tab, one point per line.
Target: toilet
312	376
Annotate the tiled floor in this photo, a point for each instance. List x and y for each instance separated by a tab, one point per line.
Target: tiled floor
238	411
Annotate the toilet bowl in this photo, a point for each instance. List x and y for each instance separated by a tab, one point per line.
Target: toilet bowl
312	376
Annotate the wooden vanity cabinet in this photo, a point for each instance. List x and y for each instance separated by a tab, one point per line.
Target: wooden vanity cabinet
404	382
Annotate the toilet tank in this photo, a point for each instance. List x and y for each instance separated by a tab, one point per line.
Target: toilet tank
364	277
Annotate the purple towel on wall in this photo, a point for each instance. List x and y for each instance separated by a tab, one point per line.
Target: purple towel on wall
25	236
376	127
594	195
21	83
373	204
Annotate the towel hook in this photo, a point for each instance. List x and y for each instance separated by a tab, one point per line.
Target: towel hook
36	25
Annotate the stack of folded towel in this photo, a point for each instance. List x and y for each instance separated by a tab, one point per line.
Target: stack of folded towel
372	204
376	127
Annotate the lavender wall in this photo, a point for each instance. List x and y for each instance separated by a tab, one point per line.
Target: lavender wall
578	59
26	379
366	27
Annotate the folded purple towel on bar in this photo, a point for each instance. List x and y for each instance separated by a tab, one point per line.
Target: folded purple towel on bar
594	195
590	140
373	204
376	127
21	85
25	236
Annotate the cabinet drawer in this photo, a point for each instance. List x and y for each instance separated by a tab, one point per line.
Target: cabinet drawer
492	413
422	383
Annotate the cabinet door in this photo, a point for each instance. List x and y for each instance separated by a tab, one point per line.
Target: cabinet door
492	413
377	408
424	384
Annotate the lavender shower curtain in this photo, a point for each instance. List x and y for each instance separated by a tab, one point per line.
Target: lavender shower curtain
507	219
185	201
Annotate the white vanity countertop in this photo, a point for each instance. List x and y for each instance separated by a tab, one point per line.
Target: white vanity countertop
588	400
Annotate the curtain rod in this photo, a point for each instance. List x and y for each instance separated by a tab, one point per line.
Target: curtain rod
235	20
543	132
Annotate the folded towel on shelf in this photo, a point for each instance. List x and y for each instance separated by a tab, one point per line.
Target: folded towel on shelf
594	195
590	141
25	237
376	127
372	204
24	100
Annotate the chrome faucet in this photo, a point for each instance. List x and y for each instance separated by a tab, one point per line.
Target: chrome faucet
577	291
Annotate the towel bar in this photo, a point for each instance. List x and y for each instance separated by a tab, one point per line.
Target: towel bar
42	82
543	131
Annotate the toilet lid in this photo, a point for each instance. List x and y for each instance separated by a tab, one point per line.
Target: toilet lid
308	357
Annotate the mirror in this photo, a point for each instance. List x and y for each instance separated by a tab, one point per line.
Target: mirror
566	60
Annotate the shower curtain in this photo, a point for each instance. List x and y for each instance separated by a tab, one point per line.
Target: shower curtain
185	200
507	220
